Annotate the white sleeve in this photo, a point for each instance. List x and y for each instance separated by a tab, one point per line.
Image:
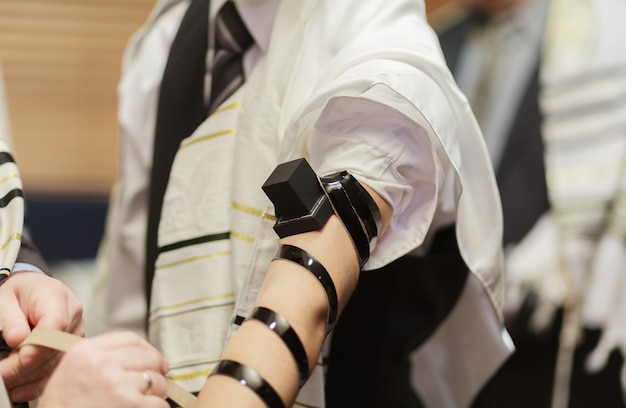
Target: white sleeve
389	152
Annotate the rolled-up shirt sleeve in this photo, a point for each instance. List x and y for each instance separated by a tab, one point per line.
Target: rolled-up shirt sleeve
389	152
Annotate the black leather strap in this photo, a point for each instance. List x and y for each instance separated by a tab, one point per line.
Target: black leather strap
288	335
303	258
249	377
363	204
345	207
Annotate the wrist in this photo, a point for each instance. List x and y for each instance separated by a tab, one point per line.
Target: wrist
6	275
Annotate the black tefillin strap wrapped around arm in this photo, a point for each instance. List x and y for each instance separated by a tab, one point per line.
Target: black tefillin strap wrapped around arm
279	325
249	377
303	202
356	209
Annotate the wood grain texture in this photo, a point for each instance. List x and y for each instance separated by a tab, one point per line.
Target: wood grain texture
61	61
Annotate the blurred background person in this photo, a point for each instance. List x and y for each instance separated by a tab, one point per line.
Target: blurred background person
547	82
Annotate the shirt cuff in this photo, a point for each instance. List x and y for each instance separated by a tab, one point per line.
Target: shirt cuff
23	266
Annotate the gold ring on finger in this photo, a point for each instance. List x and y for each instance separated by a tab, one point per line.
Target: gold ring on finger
148	380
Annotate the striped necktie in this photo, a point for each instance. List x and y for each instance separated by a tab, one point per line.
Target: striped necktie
232	39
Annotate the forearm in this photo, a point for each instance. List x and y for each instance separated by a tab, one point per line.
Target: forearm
295	293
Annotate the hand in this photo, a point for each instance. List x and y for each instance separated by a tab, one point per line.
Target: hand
117	369
29	299
533	271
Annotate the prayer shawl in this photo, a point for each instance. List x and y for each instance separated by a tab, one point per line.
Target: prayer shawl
583	79
584	100
577	251
11	208
11	197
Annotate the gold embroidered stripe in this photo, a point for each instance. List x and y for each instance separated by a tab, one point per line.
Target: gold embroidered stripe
193	301
192	363
193	259
16	236
207	137
189	312
228	107
190	376
243	237
9	177
252	211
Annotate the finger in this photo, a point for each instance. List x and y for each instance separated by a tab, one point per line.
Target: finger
118	339
29	371
28	366
43	300
150	388
75	312
137	359
152	401
131	351
28	392
13	322
63	311
151	383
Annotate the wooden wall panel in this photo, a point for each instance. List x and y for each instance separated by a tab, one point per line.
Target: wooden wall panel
442	11
432	5
61	63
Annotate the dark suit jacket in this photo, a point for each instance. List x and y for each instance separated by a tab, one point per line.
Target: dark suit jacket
29	253
521	173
